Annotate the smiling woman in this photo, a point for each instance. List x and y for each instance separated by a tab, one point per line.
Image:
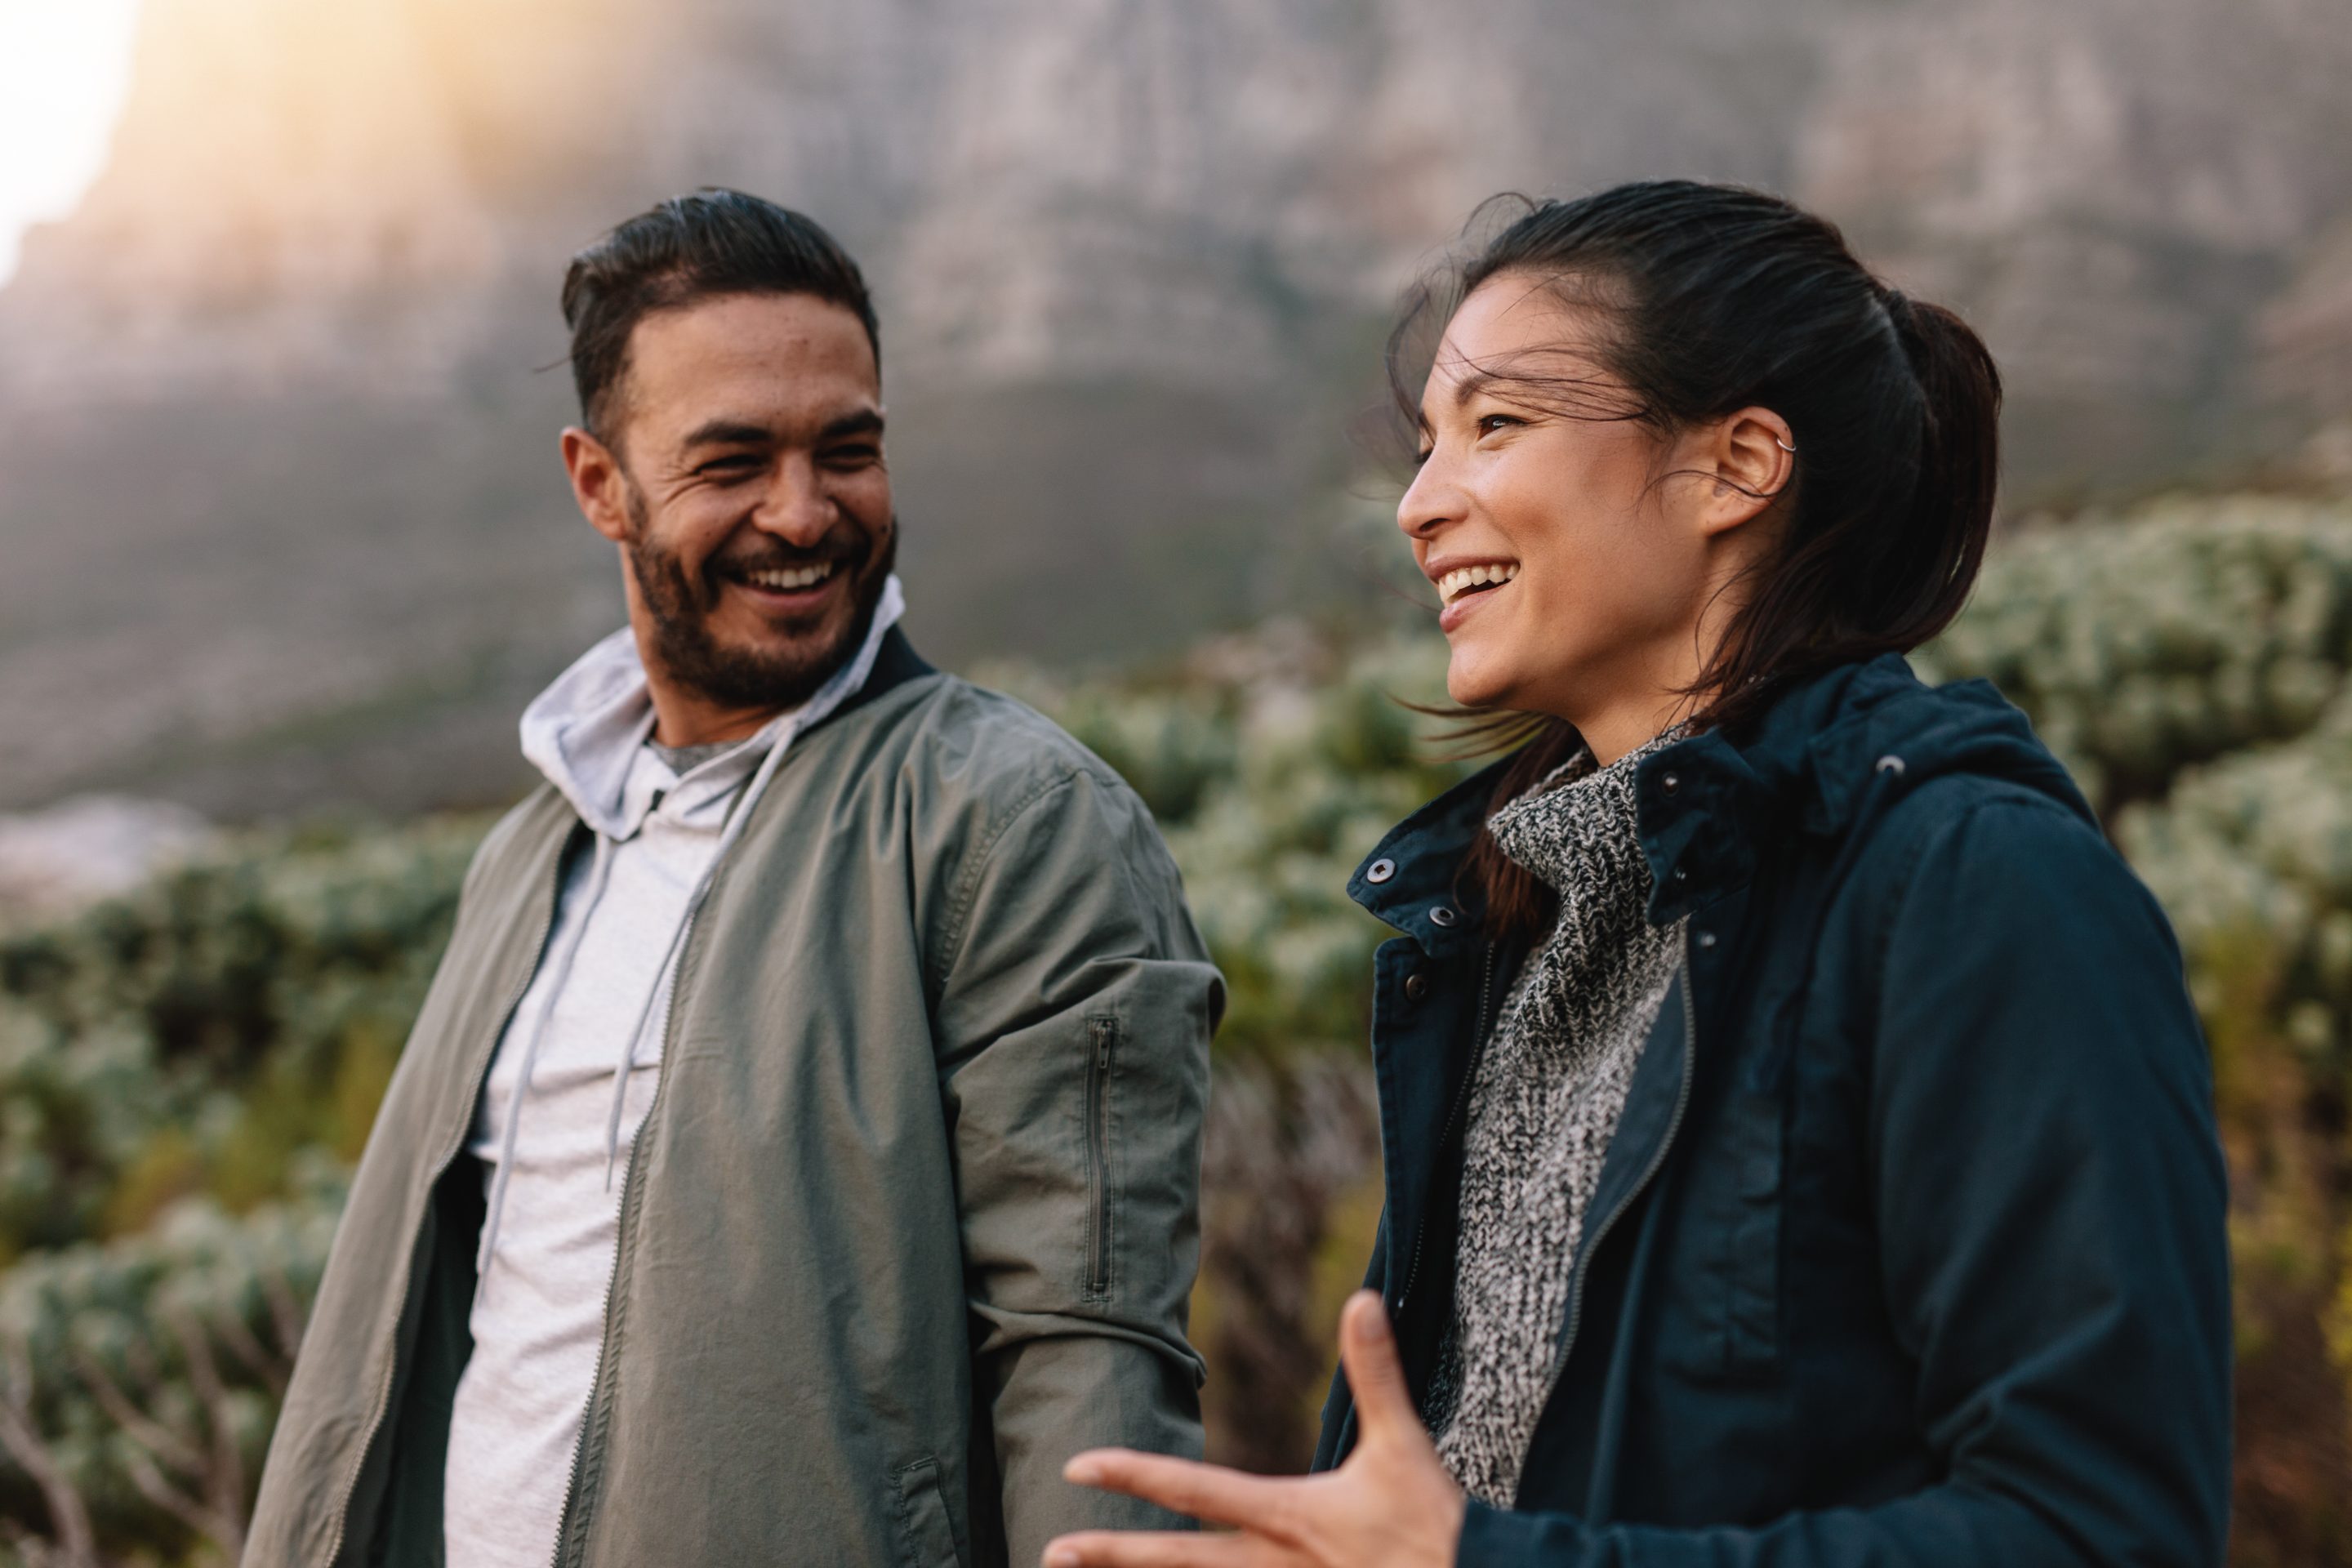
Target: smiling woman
1798	1146
63	70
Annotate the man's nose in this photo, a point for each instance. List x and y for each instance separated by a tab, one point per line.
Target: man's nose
796	509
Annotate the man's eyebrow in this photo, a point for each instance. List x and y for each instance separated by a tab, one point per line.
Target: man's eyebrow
865	422
726	432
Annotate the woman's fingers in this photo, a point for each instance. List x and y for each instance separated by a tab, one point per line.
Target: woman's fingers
1272	1513
1208	1493
1144	1549
1375	1377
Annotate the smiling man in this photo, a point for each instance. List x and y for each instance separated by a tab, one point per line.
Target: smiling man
796	1158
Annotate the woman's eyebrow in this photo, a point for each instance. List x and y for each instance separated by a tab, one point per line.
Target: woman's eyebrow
1471	385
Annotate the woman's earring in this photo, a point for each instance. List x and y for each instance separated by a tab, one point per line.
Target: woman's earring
1784	446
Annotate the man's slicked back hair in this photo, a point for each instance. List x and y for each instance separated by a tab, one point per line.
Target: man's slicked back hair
687	248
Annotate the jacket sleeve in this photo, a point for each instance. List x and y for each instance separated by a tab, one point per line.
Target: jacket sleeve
1074	1027
2051	1218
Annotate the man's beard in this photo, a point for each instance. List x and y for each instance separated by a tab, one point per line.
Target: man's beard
681	605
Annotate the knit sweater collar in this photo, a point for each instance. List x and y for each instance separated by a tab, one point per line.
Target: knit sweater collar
1579	814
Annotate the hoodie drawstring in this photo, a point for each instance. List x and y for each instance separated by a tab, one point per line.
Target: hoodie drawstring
726	837
599	873
610	679
598	876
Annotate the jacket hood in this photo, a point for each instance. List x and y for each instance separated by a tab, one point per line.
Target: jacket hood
1831	751
1831	754
583	731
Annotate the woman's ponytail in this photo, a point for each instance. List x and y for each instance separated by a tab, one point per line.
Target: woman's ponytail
1958	467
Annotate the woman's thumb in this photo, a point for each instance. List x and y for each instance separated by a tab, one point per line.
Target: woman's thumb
1368	1353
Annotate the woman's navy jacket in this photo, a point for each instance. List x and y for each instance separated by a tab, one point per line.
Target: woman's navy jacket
1909	1249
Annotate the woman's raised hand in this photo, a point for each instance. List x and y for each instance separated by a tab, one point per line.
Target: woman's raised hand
1391	1505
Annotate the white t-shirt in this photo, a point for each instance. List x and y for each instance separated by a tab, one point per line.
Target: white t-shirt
538	1320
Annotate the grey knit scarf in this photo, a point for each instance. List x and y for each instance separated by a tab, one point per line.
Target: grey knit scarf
1544	1105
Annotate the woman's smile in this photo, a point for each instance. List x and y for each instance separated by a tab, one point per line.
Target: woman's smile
1464	586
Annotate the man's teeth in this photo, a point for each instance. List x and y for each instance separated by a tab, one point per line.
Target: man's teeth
1462	579
783	581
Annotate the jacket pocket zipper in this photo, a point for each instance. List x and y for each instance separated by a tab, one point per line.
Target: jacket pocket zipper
1102	1034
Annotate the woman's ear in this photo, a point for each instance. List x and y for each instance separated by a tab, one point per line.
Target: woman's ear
1754	457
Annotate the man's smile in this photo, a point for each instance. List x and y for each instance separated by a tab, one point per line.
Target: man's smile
780	590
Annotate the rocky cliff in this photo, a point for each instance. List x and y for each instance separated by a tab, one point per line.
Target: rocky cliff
277	478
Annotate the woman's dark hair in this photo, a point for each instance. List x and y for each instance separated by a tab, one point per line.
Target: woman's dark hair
711	242
1710	299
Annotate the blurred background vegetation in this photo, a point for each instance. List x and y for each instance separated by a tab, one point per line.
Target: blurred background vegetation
187	1071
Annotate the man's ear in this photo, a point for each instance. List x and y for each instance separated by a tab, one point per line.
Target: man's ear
598	483
1754	456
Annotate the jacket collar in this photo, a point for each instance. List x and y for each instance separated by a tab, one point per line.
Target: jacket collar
895	663
1409	878
1828	750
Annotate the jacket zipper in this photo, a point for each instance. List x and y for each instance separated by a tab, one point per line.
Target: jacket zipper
1103	1032
1649	1172
440	1168
1453	1114
563	1518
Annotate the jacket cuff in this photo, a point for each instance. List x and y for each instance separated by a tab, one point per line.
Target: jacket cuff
1492	1538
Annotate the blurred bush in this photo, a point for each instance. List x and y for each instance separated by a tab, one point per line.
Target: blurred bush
138	1379
2181	633
182	1073
2252	855
202	1034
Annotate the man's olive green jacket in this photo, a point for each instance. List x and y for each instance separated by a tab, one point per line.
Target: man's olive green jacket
914	1215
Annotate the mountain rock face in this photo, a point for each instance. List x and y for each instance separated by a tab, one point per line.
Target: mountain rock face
2116	191
1042	189
277	441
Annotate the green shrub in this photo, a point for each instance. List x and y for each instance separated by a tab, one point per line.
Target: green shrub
140	1378
203	1033
2143	644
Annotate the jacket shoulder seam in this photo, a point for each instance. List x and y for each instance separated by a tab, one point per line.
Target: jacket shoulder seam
968	886
2024	801
1061	754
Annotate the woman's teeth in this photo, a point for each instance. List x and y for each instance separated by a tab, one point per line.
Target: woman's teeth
790	581
1462	579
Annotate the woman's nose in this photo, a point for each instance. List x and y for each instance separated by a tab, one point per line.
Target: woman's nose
1431	501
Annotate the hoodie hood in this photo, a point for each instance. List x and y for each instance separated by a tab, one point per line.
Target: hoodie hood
583	733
